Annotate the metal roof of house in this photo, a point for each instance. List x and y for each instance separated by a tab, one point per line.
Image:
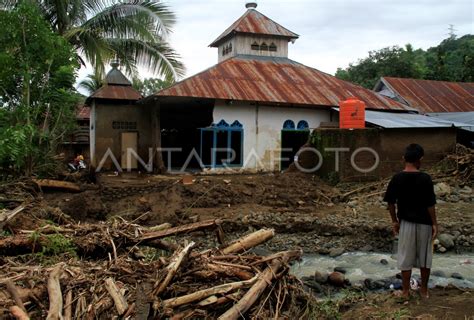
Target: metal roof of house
391	120
83	112
464	117
407	120
274	80
432	96
254	22
117	87
115	92
116	77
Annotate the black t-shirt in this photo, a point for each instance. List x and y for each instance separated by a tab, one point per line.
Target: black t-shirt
413	193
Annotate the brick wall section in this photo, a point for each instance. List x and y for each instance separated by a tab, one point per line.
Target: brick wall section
389	144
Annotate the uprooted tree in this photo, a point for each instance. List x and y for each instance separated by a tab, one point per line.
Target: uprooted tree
37	97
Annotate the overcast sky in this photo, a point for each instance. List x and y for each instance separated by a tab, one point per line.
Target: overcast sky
333	33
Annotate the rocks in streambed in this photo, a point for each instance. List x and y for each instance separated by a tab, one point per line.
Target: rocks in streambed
439	273
457	275
340	269
446	240
336	252
337	279
321	277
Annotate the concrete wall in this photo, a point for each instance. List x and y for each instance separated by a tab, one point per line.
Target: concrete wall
262	129
106	137
389	144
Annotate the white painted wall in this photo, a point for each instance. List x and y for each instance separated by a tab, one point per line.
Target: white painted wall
242	44
262	129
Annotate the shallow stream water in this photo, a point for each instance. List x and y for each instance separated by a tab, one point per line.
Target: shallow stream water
362	265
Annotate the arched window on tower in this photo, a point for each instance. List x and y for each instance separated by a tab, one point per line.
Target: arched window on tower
230	48
272	47
264	47
255	46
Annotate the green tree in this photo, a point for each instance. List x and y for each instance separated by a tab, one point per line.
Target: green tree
135	32
451	60
37	97
150	86
390	62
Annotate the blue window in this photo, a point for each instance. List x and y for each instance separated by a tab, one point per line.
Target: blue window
303	125
222	145
289	125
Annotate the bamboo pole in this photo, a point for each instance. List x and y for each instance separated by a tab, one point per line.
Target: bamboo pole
249	241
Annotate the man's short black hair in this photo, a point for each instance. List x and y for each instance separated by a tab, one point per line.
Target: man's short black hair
413	153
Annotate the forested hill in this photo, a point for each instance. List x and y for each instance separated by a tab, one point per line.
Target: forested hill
451	60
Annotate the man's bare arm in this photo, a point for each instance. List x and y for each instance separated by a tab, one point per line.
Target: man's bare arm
393	215
432	212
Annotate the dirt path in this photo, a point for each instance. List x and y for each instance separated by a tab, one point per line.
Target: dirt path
444	304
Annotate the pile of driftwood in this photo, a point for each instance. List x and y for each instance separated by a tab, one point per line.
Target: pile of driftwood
459	163
110	273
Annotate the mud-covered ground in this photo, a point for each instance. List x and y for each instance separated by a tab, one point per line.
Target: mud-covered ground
304	211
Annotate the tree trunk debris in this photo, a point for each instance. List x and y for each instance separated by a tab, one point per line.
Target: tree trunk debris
174	282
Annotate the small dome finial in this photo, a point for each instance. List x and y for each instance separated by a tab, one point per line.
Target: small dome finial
251	5
115	63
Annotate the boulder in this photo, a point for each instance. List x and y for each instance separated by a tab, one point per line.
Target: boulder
439	273
320	277
466	190
446	240
340	269
336	252
442	249
456	275
442	189
384	262
337	279
367	248
314	285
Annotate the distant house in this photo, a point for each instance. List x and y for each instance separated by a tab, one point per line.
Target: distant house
117	123
78	142
449	101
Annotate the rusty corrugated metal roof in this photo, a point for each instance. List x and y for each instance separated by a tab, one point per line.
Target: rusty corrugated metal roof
433	96
115	76
83	112
116	93
255	23
274	80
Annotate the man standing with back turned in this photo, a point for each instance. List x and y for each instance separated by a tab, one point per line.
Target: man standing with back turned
411	202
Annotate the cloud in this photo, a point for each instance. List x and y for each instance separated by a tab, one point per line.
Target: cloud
333	33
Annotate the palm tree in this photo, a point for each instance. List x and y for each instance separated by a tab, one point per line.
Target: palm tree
133	31
91	83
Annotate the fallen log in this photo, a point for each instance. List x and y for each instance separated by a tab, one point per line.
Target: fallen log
172	268
13	291
119	300
68	306
181	229
56	184
249	241
202	294
55	296
18	313
257	289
